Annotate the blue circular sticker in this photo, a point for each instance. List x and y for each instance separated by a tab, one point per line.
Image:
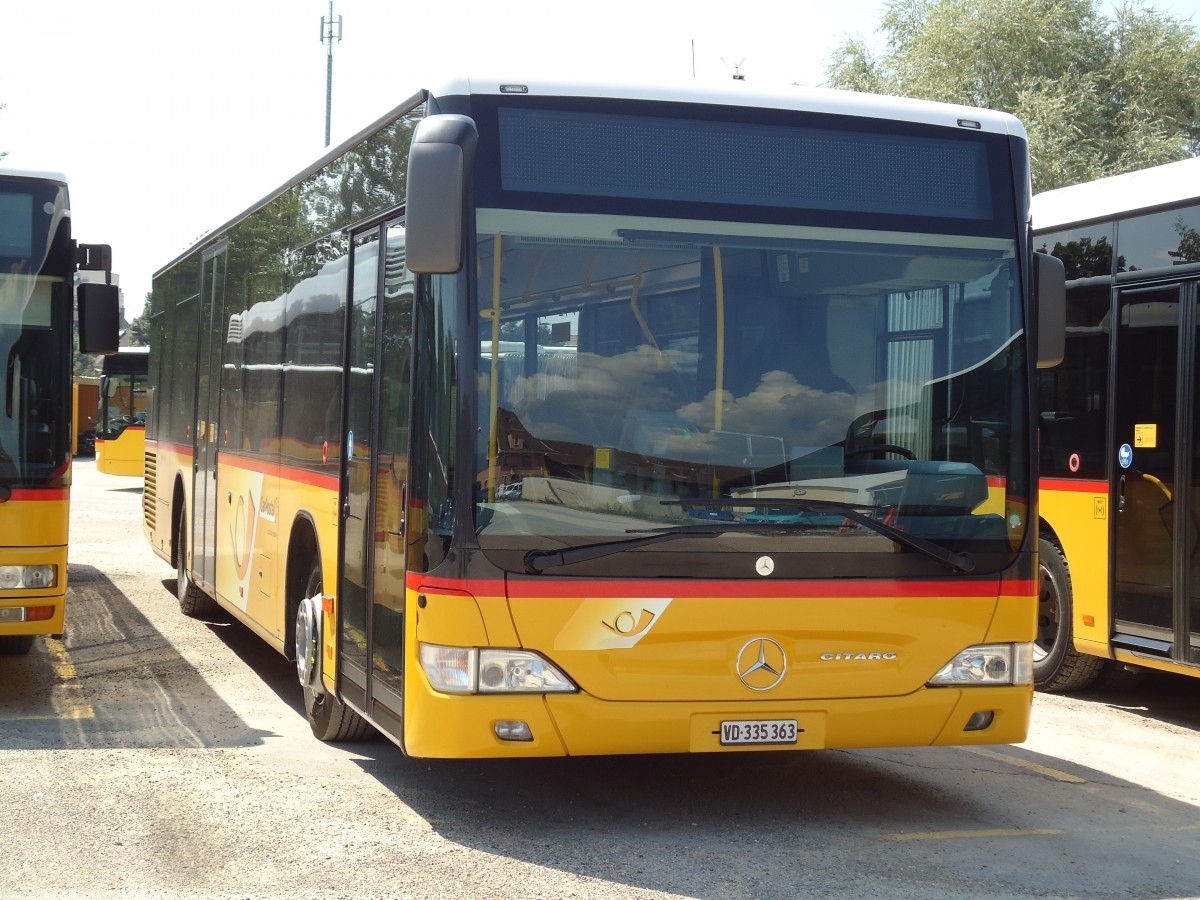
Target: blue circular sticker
1125	456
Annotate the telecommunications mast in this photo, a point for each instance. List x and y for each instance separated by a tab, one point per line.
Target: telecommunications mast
329	31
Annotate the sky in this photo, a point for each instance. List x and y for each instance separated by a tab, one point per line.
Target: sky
170	118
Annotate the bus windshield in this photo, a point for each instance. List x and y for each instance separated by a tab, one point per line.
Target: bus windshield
796	391
122	404
34	433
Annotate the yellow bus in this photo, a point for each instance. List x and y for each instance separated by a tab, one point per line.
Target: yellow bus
1120	430
85	396
38	267
121	412
547	419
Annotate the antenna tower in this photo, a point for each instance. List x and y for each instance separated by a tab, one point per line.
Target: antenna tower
330	30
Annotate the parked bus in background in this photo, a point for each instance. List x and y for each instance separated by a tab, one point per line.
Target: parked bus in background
38	266
121	412
1120	430
85	397
570	419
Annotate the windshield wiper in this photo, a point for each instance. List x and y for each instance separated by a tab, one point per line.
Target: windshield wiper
537	561
962	563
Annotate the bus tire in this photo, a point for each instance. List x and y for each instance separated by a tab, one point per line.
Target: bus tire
1057	665
16	644
193	602
330	719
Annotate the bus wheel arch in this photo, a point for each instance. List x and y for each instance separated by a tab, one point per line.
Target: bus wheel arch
177	513
1057	665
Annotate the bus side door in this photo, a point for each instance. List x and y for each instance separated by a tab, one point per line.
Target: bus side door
1156	473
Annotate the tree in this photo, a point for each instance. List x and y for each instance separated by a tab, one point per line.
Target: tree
1098	96
139	328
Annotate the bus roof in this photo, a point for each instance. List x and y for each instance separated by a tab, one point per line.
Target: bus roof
39	174
718	93
729	92
1106	198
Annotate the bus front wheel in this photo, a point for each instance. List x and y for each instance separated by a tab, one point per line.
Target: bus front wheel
193	602
1057	665
329	718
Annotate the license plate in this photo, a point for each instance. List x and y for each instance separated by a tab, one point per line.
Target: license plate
759	731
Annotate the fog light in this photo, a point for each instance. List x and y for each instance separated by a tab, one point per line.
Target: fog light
12	614
980	720
513	730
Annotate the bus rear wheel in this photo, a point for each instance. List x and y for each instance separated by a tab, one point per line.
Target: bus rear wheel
16	644
329	718
1057	665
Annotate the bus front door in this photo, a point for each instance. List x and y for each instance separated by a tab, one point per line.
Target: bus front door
208	399
373	568
1156	474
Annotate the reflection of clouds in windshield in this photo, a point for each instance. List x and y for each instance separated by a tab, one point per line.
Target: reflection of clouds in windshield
586	402
779	405
593	404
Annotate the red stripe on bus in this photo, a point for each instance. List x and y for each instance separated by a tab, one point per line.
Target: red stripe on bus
1070	484
182	449
288	473
40	495
801	590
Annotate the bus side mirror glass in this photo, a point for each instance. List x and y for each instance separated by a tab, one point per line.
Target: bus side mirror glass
99	318
1050	299
439	165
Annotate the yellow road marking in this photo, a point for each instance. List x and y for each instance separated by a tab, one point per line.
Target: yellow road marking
977	833
1030	766
64	670
83	712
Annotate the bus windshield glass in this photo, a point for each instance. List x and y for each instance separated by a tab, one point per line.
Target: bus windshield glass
123	400
764	390
34	297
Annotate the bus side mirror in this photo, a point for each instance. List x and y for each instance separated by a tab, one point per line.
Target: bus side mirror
1050	301
99	318
439	164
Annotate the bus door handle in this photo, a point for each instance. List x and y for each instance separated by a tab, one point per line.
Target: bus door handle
1121	495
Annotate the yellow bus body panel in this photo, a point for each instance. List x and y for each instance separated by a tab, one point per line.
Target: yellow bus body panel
1077	514
37	519
670	690
123	455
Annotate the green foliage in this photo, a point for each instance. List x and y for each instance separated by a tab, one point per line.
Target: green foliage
82	363
1098	96
139	328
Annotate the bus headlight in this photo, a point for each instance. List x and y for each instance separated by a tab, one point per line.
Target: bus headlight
13	578
490	670
987	664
